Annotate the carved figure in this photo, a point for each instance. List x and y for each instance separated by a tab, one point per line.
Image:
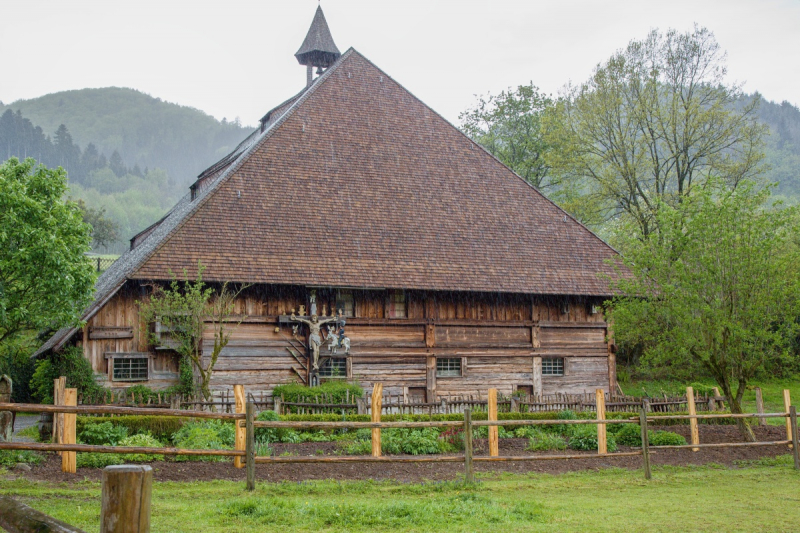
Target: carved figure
336	341
314	339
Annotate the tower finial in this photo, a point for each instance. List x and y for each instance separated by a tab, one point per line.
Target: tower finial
318	49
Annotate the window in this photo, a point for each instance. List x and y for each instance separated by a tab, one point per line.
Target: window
345	302
129	369
448	368
335	367
552	366
397	304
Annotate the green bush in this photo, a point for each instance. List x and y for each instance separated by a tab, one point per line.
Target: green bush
335	391
665	438
204	435
9	458
266	435
542	441
629	435
226	433
141	440
142	392
398	441
15	360
584	437
70	363
102	434
160	427
97	460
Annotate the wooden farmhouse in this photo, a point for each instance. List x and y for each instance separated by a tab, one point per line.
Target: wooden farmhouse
451	272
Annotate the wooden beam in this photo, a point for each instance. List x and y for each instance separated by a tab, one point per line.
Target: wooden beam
537	376
377	400
68	459
239	399
494	442
600	406
110	332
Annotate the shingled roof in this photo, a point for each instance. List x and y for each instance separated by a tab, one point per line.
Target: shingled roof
318	48
357	183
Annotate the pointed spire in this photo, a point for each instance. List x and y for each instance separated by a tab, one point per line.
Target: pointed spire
318	48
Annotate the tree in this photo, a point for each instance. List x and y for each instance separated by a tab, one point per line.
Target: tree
509	127
653	123
44	279
716	291
104	230
182	310
116	164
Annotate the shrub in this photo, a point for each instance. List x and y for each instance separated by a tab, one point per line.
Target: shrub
397	441
453	438
264	435
70	363
336	391
160	427
225	433
96	460
564	429
141	393
204	435
11	457
542	441
101	434
629	435
665	438
141	440
584	437
15	360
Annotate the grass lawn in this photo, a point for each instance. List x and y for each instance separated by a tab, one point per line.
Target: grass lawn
762	497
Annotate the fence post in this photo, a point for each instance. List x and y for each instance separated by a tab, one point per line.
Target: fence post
600	401
721	404
68	458
238	396
361	406
695	433
250	445
645	440
795	446
468	467
58	419
760	407
277	404
377	404
787	403
127	491
494	442
514	408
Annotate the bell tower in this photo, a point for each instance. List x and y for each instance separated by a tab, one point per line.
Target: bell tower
318	49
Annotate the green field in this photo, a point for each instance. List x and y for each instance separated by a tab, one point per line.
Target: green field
760	497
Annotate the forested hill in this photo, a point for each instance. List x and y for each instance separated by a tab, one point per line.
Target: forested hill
782	148
145	131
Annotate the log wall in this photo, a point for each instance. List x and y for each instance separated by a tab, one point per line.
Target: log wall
500	340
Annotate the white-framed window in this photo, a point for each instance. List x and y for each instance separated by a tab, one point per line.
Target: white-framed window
448	367
397	304
552	366
335	367
346	302
129	368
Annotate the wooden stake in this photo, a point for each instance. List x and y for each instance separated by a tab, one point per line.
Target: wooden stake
695	432
760	407
468	467
787	403
494	441
250	445
68	458
645	441
721	404
238	395
602	441
377	404
126	497
58	419
795	446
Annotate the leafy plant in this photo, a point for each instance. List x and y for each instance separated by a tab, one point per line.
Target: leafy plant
205	435
161	427
336	391
630	435
12	457
665	438
584	437
542	441
102	434
142	439
70	363
266	435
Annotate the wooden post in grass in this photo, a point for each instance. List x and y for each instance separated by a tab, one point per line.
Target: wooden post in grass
250	445
717	394
645	441
760	407
795	446
787	403
68	458
377	405
494	442
470	470
695	433
59	384
238	396
127	491
600	401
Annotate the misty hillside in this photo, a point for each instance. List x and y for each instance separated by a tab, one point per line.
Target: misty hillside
783	147
145	131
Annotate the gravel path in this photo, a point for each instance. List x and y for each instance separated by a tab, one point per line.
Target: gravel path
23	422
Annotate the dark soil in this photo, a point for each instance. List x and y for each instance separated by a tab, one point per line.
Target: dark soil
50	470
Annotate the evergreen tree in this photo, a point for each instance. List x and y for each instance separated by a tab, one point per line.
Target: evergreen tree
116	164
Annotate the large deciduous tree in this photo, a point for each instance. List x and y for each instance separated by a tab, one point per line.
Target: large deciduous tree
508	125
182	309
45	281
653	123
716	291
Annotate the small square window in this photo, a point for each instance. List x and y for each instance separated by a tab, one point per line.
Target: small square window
345	302
552	366
335	367
397	304
130	369
448	368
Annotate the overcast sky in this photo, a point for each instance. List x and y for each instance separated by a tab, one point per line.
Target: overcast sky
235	58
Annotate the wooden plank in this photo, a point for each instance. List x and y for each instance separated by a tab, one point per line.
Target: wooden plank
377	398
68	459
110	332
468	466
600	405
239	398
126	496
695	433
787	403
537	376
250	446
494	442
